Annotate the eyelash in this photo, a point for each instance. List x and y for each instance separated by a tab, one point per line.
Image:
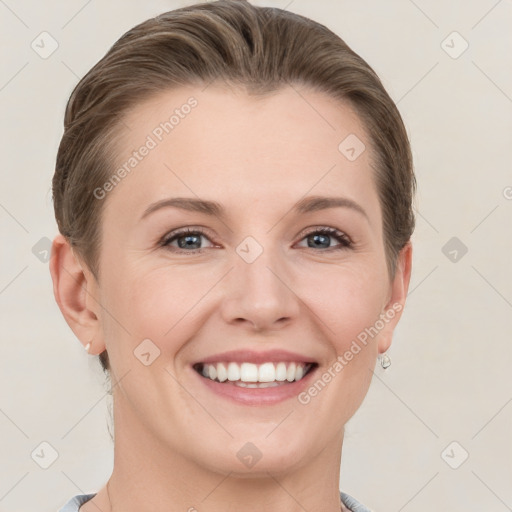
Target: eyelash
345	241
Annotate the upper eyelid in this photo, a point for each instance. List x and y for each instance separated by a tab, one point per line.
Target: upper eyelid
184	231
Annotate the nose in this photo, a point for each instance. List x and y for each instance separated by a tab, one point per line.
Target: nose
260	294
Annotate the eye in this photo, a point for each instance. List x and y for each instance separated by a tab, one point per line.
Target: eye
320	238
189	239
186	238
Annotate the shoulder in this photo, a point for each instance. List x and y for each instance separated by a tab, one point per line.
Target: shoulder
75	502
352	503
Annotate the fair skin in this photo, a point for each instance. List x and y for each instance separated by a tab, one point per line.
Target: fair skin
176	441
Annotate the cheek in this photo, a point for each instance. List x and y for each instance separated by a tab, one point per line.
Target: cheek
347	301
156	303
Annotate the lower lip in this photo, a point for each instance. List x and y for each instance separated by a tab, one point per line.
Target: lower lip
258	396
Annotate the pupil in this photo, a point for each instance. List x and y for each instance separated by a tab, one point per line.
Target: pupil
189	240
319	236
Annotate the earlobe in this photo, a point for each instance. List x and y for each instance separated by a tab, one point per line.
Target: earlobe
398	296
72	288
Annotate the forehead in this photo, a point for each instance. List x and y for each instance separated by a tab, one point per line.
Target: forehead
224	142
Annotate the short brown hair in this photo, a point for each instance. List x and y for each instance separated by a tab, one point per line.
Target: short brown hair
259	48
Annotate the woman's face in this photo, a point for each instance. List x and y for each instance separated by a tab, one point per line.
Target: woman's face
259	280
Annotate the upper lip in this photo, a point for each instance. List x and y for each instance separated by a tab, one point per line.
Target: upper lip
257	357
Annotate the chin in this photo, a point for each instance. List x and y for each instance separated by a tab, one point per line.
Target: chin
247	459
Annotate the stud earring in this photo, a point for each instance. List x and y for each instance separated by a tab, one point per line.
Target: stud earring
385	361
88	346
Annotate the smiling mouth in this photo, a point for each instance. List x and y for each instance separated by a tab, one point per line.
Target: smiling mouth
250	375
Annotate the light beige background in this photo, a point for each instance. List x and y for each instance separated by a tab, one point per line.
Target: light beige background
450	378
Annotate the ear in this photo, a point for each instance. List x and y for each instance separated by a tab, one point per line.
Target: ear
76	293
398	294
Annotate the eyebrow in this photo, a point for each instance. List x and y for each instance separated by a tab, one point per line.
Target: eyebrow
306	205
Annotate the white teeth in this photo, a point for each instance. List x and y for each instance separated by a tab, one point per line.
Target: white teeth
249	372
290	374
257	385
266	373
233	371
222	372
263	375
280	372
